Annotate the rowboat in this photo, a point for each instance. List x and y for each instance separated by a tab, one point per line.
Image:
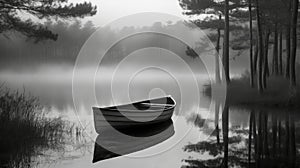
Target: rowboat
139	113
110	144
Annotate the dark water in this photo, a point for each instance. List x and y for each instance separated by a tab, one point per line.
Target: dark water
202	134
270	138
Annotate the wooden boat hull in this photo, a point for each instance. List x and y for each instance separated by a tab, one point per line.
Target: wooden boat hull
135	114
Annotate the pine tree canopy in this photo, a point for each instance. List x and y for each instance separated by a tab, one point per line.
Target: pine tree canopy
12	14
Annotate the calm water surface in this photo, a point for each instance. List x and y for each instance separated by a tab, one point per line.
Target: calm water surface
201	134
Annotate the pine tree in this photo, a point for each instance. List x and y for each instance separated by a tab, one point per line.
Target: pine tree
11	20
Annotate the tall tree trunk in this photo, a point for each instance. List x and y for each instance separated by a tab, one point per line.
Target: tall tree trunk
288	50
288	41
280	53
226	43
266	72
255	58
217	66
294	43
275	51
260	44
251	45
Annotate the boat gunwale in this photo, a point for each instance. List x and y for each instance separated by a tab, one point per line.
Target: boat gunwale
116	109
135	114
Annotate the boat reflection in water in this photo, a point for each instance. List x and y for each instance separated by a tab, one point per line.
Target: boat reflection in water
112	143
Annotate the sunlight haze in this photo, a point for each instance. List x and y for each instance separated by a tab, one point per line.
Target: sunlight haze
109	10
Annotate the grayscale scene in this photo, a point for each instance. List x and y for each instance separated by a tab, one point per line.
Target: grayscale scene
149	83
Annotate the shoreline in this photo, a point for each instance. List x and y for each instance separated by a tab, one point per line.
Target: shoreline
278	94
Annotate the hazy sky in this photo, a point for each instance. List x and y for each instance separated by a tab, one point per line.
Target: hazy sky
109	10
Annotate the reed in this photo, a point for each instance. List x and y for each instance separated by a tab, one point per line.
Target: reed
25	130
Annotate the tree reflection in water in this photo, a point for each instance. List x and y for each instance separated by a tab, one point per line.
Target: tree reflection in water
270	140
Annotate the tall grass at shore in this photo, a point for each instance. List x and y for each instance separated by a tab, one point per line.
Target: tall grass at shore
278	93
25	130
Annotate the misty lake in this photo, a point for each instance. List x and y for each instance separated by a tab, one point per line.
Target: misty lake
229	71
199	134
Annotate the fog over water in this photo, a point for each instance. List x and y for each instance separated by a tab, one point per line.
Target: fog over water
135	50
53	85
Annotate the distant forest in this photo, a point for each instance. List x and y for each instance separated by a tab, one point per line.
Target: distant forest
17	49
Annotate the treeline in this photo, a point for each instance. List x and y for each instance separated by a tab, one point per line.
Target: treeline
18	50
275	18
21	51
255	25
